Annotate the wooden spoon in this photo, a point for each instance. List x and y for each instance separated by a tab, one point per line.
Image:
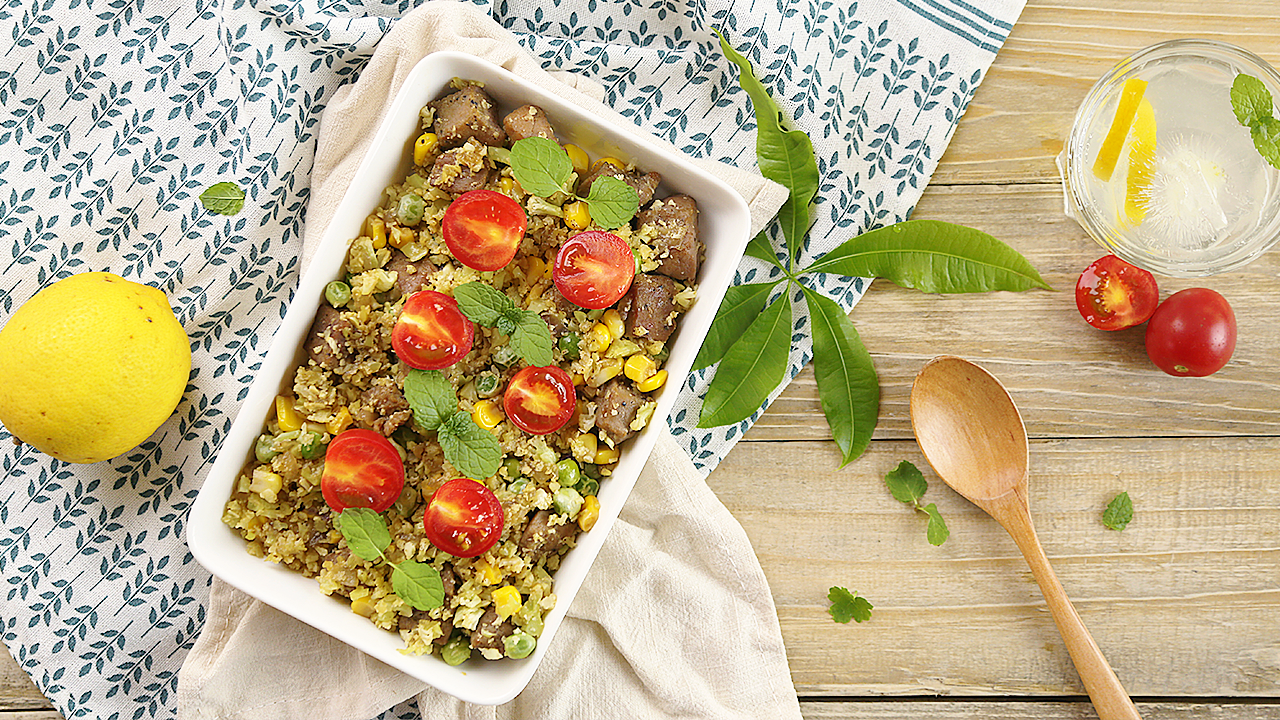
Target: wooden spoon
971	433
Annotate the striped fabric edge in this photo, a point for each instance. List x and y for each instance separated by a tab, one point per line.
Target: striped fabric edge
979	28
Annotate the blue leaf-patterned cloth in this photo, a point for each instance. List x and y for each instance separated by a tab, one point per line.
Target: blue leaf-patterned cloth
118	113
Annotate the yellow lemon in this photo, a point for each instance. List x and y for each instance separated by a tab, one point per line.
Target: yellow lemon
91	366
1142	164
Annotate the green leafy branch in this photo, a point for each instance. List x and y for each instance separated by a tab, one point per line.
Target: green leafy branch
907	484
471	449
750	337
366	534
542	167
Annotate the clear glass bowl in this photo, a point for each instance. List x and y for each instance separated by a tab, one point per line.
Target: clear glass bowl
1206	202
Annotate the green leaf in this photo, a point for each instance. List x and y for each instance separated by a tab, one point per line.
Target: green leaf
224	198
540	165
471	449
430	396
937	530
1266	138
741	305
365	531
848	388
1119	512
532	340
482	303
785	156
761	249
418	584
847	605
932	256
612	202
752	367
906	482
1250	100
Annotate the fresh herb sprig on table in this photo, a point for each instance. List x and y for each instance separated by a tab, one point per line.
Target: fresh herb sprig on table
750	337
542	167
907	484
366	534
1251	102
847	605
471	449
1119	512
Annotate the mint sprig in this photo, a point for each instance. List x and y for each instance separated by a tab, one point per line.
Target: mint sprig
908	486
1251	102
847	605
542	167
366	534
224	198
474	451
1119	512
528	334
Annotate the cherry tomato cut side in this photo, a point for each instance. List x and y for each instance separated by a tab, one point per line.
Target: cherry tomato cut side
361	469
1192	333
463	518
1112	294
483	229
594	269
432	332
540	400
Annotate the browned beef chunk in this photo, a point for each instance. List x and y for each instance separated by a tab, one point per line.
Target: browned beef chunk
465	114
453	176
676	220
410	275
542	539
649	307
616	407
644	183
327	343
527	121
383	407
490	631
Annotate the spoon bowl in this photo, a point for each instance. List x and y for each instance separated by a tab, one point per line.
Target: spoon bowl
972	434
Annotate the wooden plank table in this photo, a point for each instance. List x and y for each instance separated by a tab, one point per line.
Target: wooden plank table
1185	602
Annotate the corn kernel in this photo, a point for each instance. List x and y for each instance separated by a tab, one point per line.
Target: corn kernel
401	236
488	574
375	228
613	320
265	483
578	379
362	606
606	370
612	161
339	422
287	417
654	382
424	147
578	156
577	215
507	185
606	455
598	338
486	414
583	446
536	269
506	600
590	513
640	367
380	241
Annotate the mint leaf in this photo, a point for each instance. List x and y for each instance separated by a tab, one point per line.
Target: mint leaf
937	531
224	198
612	202
847	605
482	303
506	324
1266	139
907	483
1119	512
365	532
540	165
418	584
430	396
471	449
1250	100
532	340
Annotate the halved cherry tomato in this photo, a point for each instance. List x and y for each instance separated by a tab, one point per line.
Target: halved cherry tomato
540	400
431	332
1192	334
1111	294
463	518
594	269
361	469
483	229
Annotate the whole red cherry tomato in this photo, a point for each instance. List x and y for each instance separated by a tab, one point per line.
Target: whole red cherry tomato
431	332
1192	333
361	469
594	269
540	400
463	518
1111	294
483	229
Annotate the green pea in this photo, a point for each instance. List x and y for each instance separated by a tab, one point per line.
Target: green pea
518	484
337	293
487	384
456	651
504	355
530	617
512	466
263	449
567	502
569	345
591	470
410	208
567	473
519	644
311	446
407	502
589	486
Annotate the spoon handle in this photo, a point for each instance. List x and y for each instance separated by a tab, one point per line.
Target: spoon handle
1109	697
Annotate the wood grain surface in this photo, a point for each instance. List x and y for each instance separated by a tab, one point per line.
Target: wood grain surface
1185	602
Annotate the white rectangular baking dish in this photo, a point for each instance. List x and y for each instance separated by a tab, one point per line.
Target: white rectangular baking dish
724	228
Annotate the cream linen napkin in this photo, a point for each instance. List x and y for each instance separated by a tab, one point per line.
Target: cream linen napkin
675	618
